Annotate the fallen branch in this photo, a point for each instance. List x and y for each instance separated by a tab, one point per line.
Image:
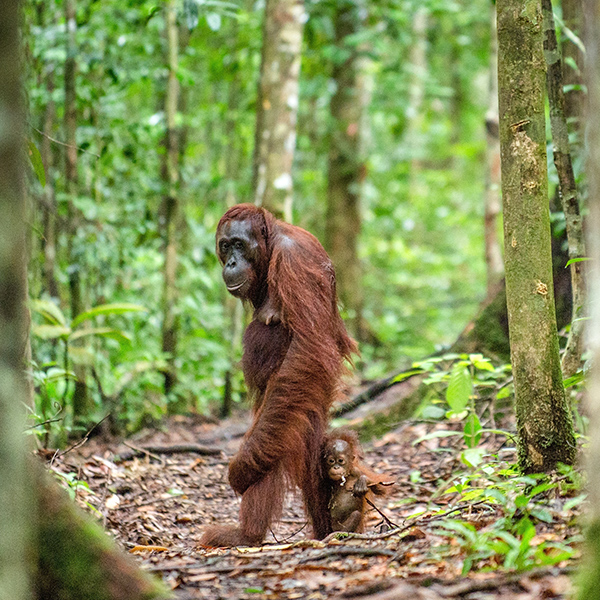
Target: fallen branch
344	551
167	449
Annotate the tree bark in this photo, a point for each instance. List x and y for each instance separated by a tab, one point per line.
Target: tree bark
544	420
80	401
493	249
346	166
277	110
572	13
170	201
571	360
590	583
14	506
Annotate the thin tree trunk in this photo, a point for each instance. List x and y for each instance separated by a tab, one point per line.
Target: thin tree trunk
346	167
80	394
416	93
572	13
277	111
49	219
590	583
233	309
493	249
567	189
544	420
15	510
171	175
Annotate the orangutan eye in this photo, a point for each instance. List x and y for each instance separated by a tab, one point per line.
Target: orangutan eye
239	245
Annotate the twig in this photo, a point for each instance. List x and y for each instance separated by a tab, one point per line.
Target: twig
47	422
143	451
289	537
64	144
384	517
403	528
81	442
344	551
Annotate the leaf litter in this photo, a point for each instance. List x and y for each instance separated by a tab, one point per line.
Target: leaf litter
156	505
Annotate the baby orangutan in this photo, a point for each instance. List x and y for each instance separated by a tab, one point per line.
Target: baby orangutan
351	482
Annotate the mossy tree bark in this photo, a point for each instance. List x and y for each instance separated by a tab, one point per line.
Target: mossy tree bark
48	548
591	581
346	165
544	420
14	508
571	360
277	111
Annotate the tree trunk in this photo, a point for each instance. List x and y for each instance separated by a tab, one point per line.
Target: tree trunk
567	190
544	421
590	583
80	394
346	166
573	64
15	509
277	110
493	250
76	560
170	201
416	92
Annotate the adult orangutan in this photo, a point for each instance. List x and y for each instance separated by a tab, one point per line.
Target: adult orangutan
294	352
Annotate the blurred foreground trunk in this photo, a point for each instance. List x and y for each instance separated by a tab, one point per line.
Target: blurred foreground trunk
590	584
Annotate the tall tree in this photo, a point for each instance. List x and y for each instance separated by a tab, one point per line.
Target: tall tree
80	393
277	112
591	582
573	52
493	250
346	165
14	508
416	94
543	417
170	173
567	190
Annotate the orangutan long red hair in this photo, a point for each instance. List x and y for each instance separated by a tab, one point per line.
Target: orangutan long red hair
294	352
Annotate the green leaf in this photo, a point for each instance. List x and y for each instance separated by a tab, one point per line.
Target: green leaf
115	334
435	434
36	162
472	430
406	375
49	311
50	332
472	457
576	260
107	309
459	388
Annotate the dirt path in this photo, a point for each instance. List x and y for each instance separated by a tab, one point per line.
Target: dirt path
156	506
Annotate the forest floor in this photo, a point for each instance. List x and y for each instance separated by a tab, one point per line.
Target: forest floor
156	506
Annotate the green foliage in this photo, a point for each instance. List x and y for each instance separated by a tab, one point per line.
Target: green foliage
527	503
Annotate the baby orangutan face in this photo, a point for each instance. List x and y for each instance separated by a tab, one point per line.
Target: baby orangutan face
339	459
